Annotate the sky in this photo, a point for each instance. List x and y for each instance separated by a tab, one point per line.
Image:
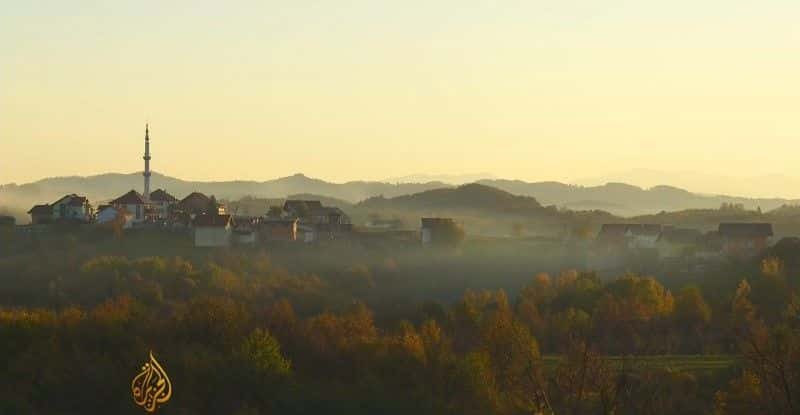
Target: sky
359	89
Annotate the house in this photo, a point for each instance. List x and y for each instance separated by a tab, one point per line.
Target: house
212	230
616	237
278	229
110	215
7	221
161	202
440	231
642	236
133	203
41	214
744	240
243	233
315	221
709	246
72	208
677	243
197	203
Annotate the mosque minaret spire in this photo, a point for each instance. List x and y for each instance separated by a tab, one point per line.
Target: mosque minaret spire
146	173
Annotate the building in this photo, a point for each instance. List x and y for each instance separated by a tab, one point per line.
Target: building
7	221
617	237
70	208
197	203
744	240
133	203
243	233
440	231
278	229
642	236
41	214
677	243
110	215
161	203
212	230
146	173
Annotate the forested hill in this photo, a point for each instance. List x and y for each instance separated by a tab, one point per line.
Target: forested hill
618	198
466	198
627	200
107	186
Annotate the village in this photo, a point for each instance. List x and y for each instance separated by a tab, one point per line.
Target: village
210	224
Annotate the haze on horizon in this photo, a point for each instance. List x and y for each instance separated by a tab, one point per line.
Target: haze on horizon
700	93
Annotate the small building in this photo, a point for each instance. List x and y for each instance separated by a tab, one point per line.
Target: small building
110	215
133	203
278	229
677	243
709	246
41	214
197	203
72	208
617	237
243	234
744	240
7	221
440	231
212	230
161	202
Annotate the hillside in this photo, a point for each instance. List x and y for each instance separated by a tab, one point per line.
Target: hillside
626	200
469	197
617	198
107	186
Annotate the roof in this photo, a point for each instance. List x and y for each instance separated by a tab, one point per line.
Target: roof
72	200
745	229
131	198
161	195
680	235
41	210
216	221
195	201
430	222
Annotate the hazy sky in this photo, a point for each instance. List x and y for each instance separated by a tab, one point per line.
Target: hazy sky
341	90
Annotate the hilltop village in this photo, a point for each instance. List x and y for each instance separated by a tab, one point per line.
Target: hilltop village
210	223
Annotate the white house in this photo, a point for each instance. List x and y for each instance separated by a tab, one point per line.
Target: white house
642	236
160	202
72	207
212	230
111	214
133	203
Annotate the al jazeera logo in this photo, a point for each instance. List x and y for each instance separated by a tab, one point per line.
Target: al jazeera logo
151	387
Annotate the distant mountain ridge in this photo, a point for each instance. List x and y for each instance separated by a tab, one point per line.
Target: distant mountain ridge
617	198
473	197
627	200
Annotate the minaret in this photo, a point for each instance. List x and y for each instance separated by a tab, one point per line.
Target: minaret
146	173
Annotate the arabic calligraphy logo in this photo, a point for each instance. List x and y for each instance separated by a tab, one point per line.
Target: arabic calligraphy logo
151	387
